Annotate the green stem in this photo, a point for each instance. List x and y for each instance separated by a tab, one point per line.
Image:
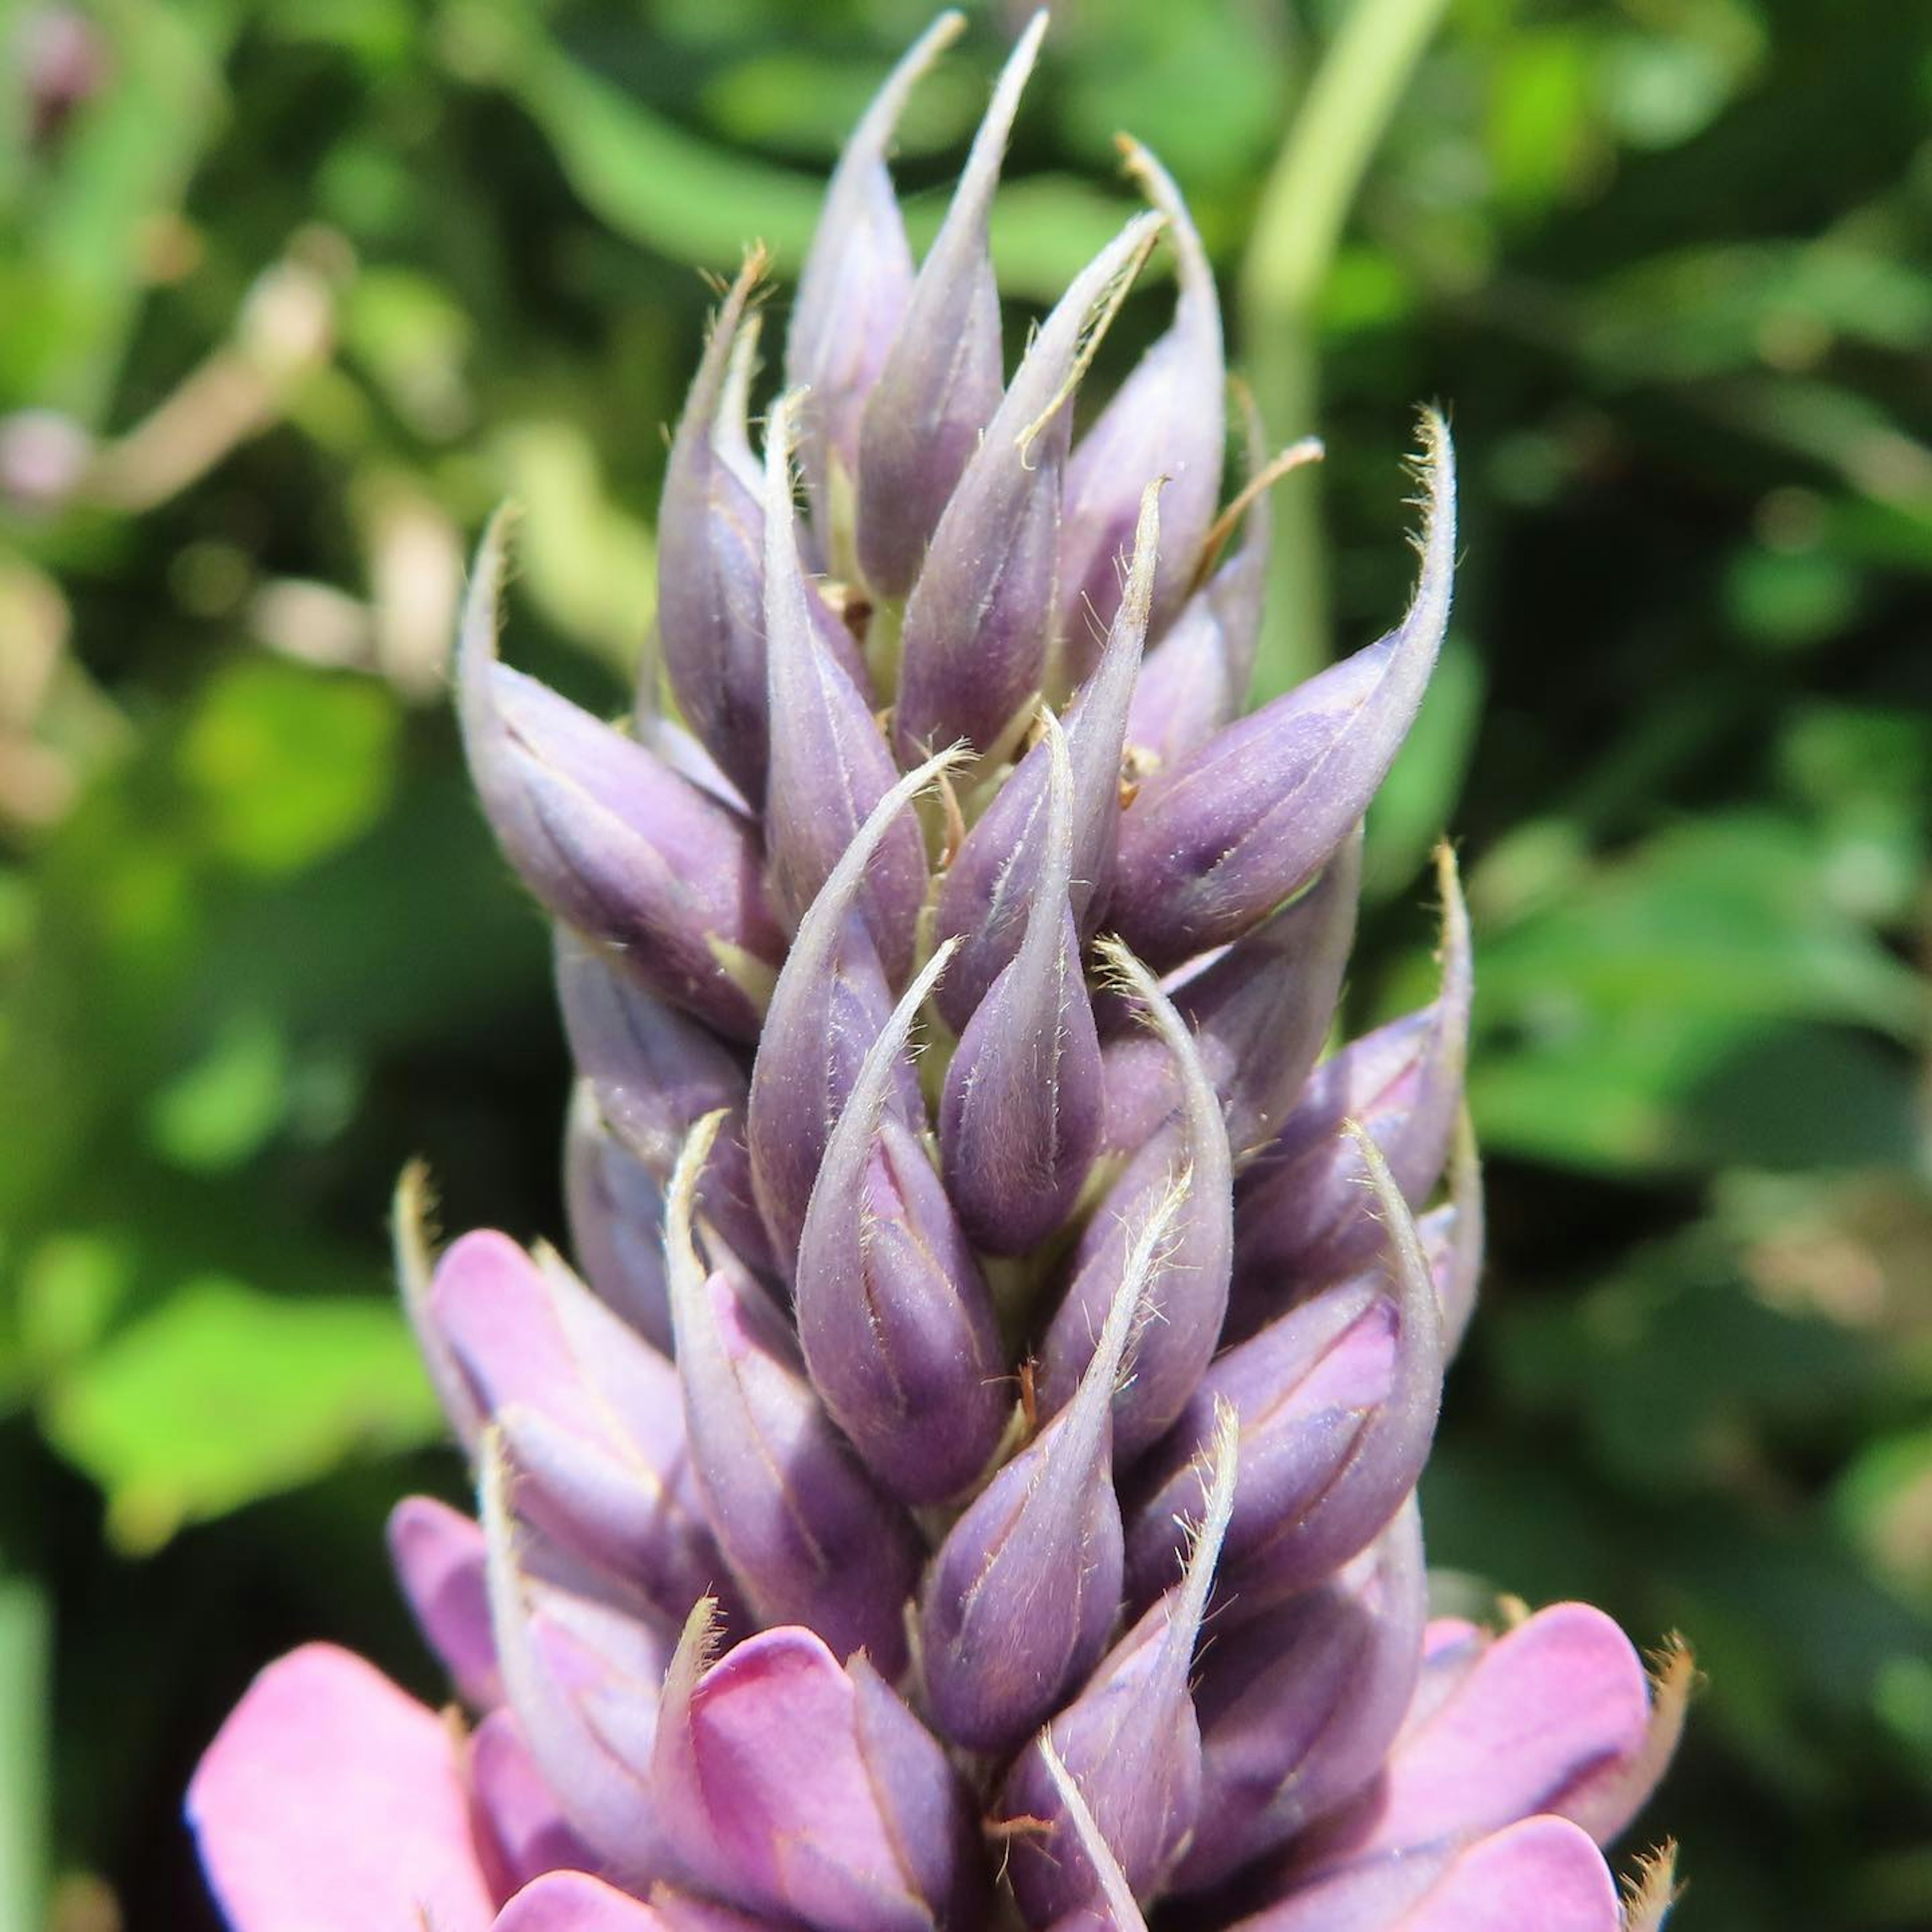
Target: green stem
1343	116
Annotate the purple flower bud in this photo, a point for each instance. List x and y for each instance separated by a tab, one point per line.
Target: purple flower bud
1260	1012
828	1005
1303	1215
1543	1873
1187	1294
1020	1116
520	1834
582	1660
1337	1400
894	1314
853	293
588	1412
988	886
788	1785
616	1210
806	1531
1196	678
608	837
829	762
1297	1707
940	382
1121	1911
1130	1741
438	1556
1216	840
979	620
574	1901
1019	1601
1166	420
1462	1237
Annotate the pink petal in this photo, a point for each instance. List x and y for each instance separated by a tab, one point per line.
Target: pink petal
331	1798
574	1902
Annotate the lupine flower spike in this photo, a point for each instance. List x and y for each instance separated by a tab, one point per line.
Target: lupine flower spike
972	1479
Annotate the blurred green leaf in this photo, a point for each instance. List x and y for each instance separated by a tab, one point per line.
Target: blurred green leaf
225	1393
26	1645
217	1112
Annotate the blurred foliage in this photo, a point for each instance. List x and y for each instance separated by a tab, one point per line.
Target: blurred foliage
291	294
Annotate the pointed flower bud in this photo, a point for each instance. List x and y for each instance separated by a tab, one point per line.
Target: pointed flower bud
1122	1909
615	1206
1019	1599
1130	1740
828	1007
1020	1116
438	1556
940	382
806	1531
611	838
895	1317
988	886
829	764
1166	420
574	1901
1303	1212
853	291
1337	1400
1186	1294
790	1786
1218	839
979	620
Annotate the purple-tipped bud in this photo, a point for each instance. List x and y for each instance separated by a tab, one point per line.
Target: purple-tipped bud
806	1531
609	837
1130	1741
828	1007
989	885
1020	1116
616	1210
1119	1910
582	1660
830	763
520	1833
1260	1012
788	1785
979	620
1304	1214
1216	840
940	382
1019	1601
438	1558
588	1412
1196	678
1337	1400
574	1901
1297	1708
895	1316
1186	1294
852	293
1166	420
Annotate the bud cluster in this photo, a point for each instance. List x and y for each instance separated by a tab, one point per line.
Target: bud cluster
990	1293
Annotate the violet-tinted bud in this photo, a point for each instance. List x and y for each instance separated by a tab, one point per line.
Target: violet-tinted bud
1020	1116
582	1660
608	837
1187	1294
574	1901
1130	1740
615	1206
1215	841
979	620
1119	1910
807	1532
589	1414
520	1833
830	763
1462	1237
1166	420
788	1785
1337	1400
1019	1601
438	1556
1304	1214
894	1314
988	886
940	382
1297	1707
852	296
1260	1013
828	1005
1196	678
